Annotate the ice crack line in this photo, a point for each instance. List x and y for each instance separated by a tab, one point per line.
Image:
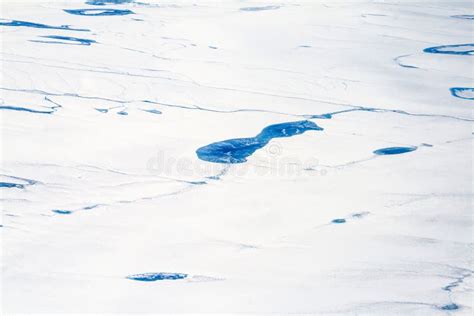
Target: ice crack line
352	108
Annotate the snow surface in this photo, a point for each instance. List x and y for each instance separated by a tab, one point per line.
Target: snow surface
107	207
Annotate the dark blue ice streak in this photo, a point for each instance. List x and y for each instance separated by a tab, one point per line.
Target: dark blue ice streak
76	40
68	212
463	16
397	60
269	7
153	111
462	93
467	49
98	12
237	150
104	2
62	212
17	185
11	185
157	276
394	150
19	108
450	307
39	25
353	216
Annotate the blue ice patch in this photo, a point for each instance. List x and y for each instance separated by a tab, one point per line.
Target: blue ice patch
11	185
237	150
450	307
394	150
157	276
153	111
62	212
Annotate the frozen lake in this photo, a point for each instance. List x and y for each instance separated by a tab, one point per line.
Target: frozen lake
237	157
